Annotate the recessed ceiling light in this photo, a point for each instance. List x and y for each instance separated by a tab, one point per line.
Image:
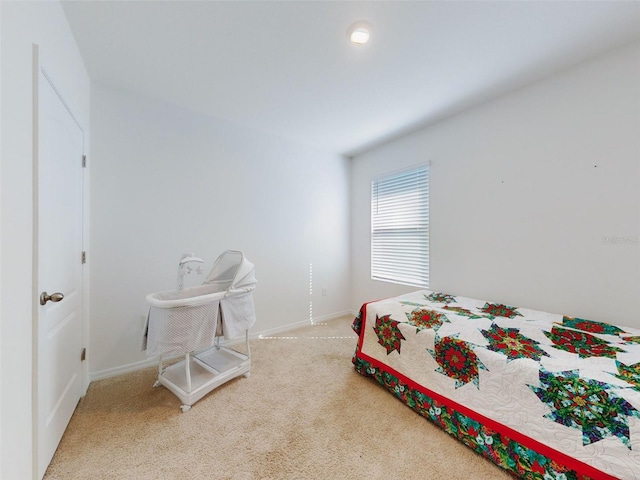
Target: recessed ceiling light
359	33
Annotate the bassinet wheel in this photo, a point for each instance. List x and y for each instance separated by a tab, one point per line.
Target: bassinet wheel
185	408
156	384
247	375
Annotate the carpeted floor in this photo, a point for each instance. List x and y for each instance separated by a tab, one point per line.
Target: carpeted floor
304	413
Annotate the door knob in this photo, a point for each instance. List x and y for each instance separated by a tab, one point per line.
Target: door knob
54	297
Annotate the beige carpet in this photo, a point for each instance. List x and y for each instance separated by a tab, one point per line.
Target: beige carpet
304	413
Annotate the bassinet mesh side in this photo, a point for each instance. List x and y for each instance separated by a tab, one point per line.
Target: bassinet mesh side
180	330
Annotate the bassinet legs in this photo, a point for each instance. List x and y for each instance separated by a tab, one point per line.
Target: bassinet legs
199	373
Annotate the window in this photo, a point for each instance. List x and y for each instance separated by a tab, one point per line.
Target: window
400	227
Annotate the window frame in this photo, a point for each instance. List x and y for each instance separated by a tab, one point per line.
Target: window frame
400	227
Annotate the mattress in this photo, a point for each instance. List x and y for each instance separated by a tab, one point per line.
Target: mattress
542	395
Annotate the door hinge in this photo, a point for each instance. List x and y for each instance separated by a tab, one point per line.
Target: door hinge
84	161
84	257
83	355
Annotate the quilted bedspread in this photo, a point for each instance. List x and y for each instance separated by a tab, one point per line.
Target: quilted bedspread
542	395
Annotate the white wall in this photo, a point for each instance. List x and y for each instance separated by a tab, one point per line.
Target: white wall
535	197
1	155
166	181
25	23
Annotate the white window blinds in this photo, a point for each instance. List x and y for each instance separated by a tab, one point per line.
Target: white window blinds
400	227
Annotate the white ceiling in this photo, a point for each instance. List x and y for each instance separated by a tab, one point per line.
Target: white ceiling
288	68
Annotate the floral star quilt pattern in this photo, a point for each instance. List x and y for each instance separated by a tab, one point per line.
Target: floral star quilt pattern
544	396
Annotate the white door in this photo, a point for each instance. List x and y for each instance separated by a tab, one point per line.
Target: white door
60	186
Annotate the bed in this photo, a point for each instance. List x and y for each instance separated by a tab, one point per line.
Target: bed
543	396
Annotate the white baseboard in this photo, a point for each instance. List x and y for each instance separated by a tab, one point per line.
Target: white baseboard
153	362
116	371
291	326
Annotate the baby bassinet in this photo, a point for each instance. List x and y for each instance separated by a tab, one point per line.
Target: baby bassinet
191	321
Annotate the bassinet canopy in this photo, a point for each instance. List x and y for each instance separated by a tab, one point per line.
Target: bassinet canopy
233	269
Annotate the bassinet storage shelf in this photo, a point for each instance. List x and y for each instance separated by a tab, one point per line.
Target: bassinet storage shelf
197	375
189	322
